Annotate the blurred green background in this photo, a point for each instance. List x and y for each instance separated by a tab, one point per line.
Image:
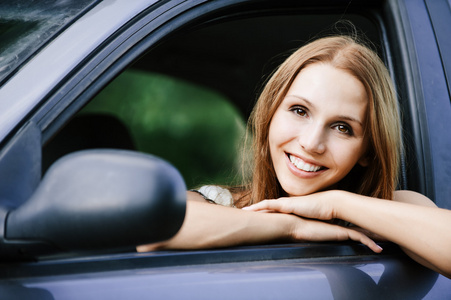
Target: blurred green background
196	129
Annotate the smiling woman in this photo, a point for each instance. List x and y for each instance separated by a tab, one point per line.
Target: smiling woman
328	112
318	140
340	79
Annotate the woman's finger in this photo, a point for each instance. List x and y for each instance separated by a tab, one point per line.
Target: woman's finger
315	231
306	206
279	205
360	237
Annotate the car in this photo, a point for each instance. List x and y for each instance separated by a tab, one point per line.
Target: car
110	110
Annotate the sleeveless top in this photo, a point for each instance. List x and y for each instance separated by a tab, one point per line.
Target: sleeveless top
216	194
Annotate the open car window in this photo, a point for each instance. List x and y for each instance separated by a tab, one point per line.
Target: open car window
187	100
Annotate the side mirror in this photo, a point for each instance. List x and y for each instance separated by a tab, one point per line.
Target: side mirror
96	200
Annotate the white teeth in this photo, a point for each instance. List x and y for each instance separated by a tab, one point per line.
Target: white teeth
302	165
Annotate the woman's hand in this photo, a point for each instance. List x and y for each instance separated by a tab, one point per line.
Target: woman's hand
318	231
314	206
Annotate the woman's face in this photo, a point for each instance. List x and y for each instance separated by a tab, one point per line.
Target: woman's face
316	135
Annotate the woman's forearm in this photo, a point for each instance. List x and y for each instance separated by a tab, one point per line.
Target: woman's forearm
208	225
212	226
420	230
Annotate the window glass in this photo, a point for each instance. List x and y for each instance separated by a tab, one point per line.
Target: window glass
25	26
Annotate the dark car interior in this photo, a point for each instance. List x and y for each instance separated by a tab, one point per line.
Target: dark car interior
235	56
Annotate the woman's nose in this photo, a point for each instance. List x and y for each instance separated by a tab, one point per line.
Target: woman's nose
312	139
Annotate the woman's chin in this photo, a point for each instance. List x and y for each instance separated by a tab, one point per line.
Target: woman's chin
297	192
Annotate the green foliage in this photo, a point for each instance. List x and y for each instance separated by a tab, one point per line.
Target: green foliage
194	128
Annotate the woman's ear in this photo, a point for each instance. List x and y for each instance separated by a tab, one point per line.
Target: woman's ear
364	161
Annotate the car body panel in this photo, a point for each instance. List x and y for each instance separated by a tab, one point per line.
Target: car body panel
306	271
436	88
432	101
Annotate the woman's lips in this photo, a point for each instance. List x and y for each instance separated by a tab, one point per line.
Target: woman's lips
303	165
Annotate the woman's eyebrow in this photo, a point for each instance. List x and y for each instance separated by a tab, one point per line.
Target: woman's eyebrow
303	99
348	118
341	117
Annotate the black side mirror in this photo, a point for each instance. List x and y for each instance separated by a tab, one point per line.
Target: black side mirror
96	200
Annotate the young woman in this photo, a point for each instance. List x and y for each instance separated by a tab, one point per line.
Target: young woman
326	146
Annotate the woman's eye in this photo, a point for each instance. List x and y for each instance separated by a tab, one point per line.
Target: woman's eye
299	111
344	129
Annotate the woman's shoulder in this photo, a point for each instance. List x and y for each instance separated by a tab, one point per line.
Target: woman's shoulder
412	197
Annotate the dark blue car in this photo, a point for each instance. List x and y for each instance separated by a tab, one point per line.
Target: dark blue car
110	110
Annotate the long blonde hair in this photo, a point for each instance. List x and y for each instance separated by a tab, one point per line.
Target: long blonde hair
379	178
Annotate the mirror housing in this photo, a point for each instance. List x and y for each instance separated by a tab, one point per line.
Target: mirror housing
97	200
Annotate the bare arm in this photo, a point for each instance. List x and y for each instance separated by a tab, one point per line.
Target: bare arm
412	221
208	225
212	226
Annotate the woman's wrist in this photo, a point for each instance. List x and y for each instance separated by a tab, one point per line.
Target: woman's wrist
292	227
339	201
282	227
